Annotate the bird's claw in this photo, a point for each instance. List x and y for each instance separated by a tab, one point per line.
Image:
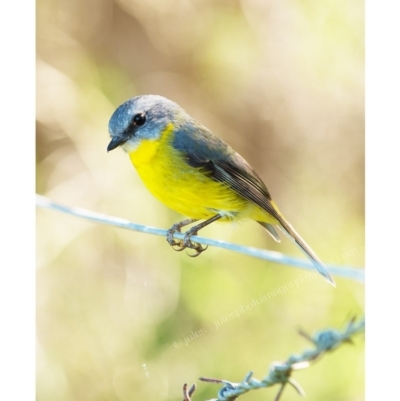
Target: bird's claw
197	247
187	243
177	245
180	245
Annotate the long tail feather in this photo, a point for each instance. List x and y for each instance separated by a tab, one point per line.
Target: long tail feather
271	230
295	237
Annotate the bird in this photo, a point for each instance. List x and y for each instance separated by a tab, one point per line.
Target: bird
194	172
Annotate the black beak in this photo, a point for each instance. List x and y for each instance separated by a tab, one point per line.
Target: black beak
115	142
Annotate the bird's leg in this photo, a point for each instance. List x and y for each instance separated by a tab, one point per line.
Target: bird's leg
177	245
187	243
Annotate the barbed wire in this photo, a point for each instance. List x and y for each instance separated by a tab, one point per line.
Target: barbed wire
272	256
281	372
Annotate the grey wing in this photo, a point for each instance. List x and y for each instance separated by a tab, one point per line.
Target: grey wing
204	150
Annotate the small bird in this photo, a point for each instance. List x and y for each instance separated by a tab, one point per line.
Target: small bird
194	172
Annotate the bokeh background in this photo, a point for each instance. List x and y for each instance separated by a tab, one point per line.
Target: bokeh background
120	316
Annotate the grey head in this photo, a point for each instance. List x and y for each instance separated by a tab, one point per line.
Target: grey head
142	117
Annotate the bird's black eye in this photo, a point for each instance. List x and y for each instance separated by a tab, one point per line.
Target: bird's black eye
139	119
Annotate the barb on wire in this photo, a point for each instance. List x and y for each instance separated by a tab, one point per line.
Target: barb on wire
187	394
340	271
280	372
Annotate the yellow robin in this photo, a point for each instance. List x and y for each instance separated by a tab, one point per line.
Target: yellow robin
194	172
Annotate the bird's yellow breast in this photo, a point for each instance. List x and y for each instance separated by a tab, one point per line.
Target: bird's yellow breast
185	189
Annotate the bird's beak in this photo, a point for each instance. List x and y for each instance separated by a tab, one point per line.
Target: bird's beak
115	142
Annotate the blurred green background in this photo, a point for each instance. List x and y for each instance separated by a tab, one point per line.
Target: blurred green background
120	315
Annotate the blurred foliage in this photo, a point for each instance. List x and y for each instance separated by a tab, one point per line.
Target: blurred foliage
120	316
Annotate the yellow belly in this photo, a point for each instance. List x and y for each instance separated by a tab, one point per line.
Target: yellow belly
186	189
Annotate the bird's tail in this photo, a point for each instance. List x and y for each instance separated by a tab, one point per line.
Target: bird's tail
287	228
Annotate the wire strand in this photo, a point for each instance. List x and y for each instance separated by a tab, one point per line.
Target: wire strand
280	372
272	256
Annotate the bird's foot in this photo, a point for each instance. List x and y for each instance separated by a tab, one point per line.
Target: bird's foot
188	243
177	245
180	245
